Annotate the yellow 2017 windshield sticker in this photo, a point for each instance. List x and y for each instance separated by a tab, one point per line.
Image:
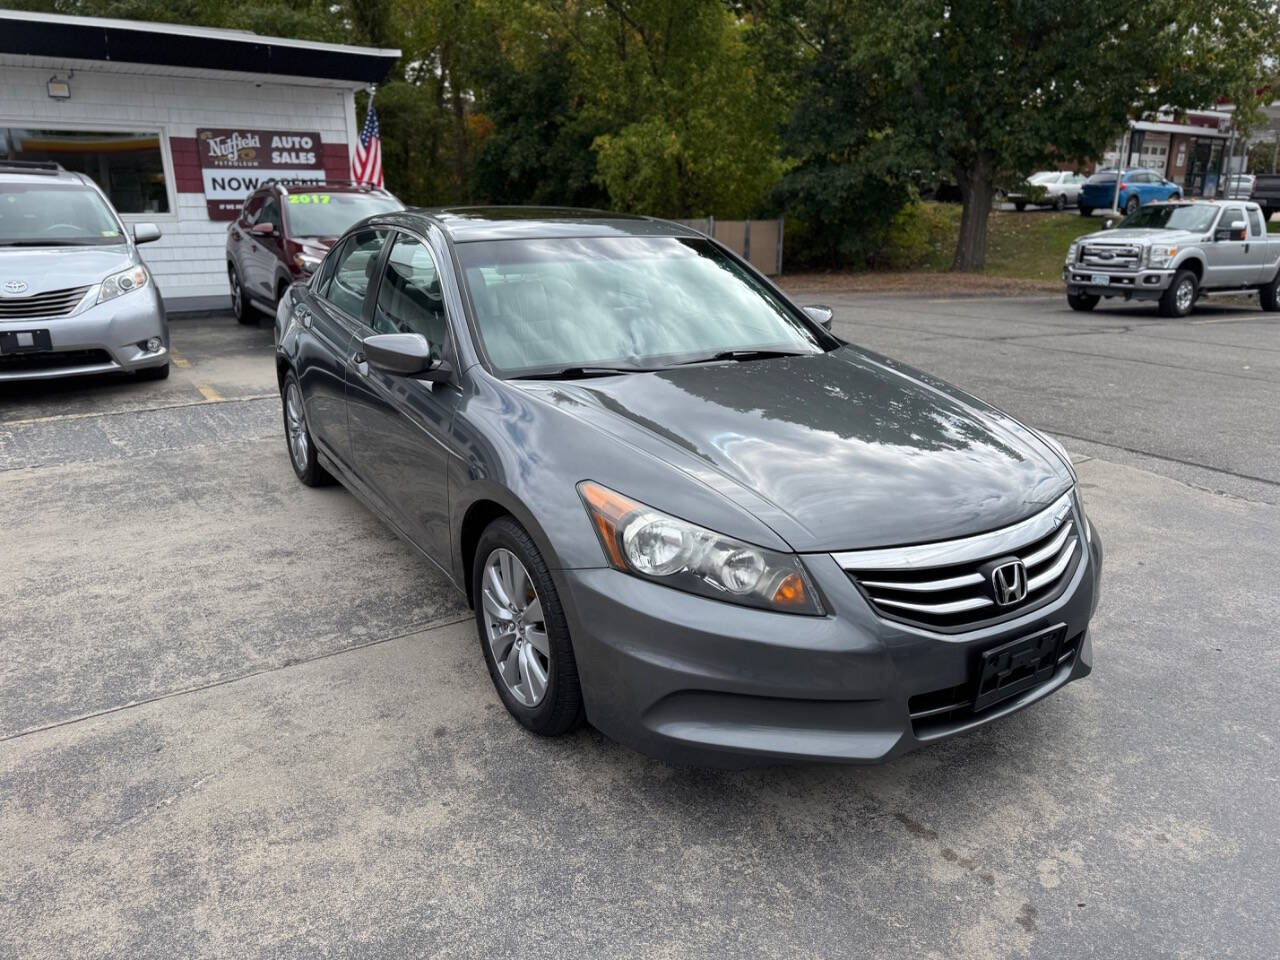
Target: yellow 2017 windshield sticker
308	198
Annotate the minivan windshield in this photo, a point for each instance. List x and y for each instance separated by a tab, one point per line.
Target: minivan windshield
1168	216
635	302
55	215
329	214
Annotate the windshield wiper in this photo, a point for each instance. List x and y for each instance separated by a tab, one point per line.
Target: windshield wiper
53	243
581	373
743	355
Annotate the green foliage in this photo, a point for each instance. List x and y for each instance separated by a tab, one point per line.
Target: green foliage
920	235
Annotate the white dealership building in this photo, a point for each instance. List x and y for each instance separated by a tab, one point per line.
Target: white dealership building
178	123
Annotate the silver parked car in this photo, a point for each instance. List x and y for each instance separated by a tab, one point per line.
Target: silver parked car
75	297
1049	188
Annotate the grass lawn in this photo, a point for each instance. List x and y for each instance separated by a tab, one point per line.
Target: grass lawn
1023	246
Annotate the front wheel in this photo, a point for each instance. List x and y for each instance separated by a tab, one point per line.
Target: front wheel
1269	294
1086	211
1180	298
523	631
1131	205
1060	202
1083	302
302	448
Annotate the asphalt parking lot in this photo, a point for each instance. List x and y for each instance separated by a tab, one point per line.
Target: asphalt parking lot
238	717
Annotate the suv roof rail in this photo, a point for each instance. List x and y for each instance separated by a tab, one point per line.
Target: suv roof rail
31	166
327	182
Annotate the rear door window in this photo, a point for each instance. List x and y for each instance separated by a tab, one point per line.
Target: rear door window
1255	220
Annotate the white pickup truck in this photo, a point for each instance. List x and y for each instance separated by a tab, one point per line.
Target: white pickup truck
1175	252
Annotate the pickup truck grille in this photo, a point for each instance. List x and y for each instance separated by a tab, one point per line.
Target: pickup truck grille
948	587
51	303
1109	256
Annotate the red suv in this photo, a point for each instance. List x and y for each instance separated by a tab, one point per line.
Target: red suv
283	232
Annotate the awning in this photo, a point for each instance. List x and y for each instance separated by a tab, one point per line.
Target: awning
175	45
1156	126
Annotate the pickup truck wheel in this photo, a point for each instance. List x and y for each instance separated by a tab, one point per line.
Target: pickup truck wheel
1269	294
1131	205
1180	298
1086	211
1082	301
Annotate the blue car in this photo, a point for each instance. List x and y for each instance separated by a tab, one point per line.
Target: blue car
1137	186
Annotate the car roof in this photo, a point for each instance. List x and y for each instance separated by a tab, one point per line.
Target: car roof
326	186
34	173
471	224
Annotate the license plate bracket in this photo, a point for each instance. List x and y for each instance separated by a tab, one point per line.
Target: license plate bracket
1100	280
25	341
1011	668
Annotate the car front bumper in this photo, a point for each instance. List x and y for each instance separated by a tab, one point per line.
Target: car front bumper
1146	284
100	338
697	681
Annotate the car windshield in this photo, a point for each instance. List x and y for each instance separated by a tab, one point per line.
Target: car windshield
1044	177
646	302
55	214
1103	176
1158	216
329	214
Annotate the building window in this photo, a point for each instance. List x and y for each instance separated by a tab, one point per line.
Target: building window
127	166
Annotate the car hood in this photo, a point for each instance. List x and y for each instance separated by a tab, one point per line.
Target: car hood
833	451
1146	235
56	268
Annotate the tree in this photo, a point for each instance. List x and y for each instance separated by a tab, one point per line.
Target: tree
1017	84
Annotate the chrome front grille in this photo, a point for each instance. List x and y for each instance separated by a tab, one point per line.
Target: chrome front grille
1111	256
949	586
41	306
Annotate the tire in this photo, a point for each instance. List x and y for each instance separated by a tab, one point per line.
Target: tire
507	562
1086	211
1060	202
240	305
1083	302
153	373
297	436
1180	299
1269	294
1131	205
1020	205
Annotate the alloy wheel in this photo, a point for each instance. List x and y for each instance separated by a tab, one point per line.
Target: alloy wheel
297	426
237	296
1185	295
515	627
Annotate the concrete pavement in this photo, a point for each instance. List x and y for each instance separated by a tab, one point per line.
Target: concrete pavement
239	718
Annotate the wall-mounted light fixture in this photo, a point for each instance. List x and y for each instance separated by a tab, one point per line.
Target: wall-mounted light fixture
59	88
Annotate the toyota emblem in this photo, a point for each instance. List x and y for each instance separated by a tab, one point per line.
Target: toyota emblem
15	286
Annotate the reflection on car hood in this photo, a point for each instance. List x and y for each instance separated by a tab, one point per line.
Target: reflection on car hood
834	451
56	268
1143	235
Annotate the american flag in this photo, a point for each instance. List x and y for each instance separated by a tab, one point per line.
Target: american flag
367	165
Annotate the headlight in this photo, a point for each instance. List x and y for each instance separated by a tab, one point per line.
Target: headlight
1071	252
1160	255
121	283
655	546
1084	520
306	261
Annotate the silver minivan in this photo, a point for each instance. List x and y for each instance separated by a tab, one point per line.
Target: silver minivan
75	296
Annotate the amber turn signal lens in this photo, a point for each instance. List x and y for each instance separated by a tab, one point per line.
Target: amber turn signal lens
790	592
608	510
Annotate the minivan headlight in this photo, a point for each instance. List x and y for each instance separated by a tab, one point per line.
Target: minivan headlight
126	281
653	545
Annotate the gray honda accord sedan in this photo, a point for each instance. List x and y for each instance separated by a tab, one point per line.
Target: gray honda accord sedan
682	508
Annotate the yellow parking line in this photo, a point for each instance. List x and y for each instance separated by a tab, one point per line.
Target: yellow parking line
210	394
178	361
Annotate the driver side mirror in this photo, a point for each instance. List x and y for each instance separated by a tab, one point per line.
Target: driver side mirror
1108	224
820	314
145	232
405	355
263	230
1233	231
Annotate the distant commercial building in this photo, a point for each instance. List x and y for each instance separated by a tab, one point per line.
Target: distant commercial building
178	124
1192	152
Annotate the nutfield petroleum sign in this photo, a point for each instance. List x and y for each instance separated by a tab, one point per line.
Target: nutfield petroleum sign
234	162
